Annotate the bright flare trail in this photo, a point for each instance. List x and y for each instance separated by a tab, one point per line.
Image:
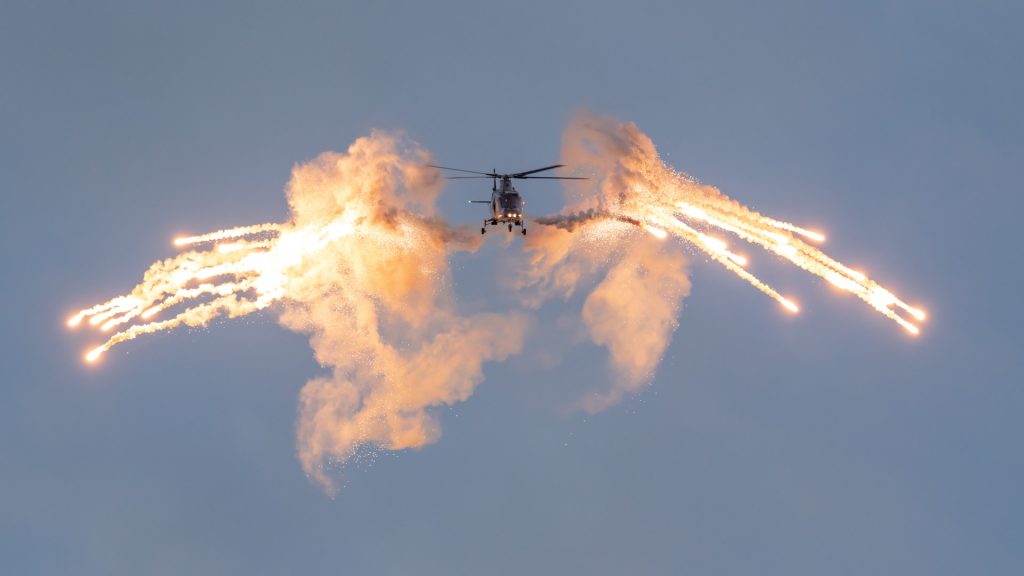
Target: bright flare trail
246	268
363	267
244	275
716	211
209	283
636	186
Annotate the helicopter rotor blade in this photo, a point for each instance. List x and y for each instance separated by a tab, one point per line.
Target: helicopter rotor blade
487	174
518	175
523	174
553	178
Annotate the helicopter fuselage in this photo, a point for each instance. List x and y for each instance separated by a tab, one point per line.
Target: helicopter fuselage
506	204
507	207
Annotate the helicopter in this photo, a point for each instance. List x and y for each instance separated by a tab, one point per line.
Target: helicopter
506	203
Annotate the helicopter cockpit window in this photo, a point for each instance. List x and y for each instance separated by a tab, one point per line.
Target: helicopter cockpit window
510	203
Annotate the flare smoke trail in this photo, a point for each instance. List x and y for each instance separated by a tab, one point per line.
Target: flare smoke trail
633	309
635	186
362	267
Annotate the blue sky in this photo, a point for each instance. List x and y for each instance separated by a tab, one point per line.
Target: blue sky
829	442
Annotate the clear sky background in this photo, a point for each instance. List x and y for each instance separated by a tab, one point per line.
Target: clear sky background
825	443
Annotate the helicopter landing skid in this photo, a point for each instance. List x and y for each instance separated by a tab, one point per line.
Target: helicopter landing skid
483	229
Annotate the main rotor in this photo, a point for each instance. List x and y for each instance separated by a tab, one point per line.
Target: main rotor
516	175
493	174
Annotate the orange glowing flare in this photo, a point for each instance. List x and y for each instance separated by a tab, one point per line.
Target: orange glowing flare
229	233
692	211
840	281
739	260
207	283
816	236
657	232
917	313
714	243
237	271
789	305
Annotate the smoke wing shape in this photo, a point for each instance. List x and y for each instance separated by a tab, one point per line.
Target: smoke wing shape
633	312
362	267
378	309
640	280
636	187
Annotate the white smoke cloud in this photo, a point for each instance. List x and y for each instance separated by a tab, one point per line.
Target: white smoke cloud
640	280
378	306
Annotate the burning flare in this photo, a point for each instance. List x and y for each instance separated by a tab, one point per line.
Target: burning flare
362	266
636	187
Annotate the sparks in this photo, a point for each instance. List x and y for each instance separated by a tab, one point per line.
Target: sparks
248	274
238	271
691	211
94	354
656	232
739	260
362	266
228	233
209	283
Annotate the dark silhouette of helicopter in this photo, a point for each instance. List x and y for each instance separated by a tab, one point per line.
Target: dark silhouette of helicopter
507	206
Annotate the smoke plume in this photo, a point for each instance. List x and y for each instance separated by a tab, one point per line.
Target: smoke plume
378	306
640	280
363	268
